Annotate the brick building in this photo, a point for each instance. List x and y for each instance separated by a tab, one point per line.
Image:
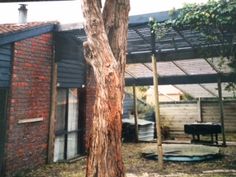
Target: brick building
32	56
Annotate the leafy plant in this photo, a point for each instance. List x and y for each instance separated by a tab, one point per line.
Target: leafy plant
215	22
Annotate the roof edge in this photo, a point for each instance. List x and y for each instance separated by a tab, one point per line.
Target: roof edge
28	33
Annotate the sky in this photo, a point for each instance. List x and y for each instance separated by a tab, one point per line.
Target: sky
70	11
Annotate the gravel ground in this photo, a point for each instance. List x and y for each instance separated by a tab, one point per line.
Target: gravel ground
136	166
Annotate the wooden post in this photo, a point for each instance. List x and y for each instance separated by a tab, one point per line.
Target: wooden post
135	113
52	120
221	112
199	105
157	113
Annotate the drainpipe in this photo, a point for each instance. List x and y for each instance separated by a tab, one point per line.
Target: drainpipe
22	13
52	118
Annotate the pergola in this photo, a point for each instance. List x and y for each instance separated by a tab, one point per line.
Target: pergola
185	59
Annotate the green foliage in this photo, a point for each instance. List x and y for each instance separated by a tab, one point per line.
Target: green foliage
212	15
159	29
187	97
232	88
215	21
141	92
143	108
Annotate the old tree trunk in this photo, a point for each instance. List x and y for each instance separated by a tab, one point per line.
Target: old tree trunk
105	51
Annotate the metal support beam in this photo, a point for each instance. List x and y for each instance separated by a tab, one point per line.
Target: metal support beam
173	54
181	79
135	113
221	112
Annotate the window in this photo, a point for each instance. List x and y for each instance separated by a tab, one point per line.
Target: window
69	138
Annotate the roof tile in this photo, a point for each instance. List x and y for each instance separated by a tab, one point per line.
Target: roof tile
15	27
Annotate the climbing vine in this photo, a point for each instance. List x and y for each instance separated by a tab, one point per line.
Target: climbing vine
215	21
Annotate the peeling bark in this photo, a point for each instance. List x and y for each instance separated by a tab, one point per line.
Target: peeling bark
105	51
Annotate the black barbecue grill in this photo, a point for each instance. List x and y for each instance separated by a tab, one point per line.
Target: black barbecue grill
197	129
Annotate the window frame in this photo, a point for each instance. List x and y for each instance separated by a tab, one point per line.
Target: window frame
65	132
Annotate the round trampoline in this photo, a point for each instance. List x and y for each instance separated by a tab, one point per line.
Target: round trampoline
183	152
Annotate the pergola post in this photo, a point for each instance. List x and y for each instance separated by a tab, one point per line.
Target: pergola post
157	113
157	105
199	105
135	113
221	112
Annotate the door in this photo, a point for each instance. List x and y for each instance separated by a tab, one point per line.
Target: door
3	103
69	125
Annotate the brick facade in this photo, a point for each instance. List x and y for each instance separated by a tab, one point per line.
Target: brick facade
26	144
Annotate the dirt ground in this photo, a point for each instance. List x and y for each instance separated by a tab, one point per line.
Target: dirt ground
136	166
224	166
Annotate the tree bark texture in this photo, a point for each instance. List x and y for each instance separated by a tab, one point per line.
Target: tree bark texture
105	51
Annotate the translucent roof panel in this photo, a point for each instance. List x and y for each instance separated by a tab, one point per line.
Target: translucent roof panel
166	69
204	90
195	90
196	66
221	64
180	67
138	70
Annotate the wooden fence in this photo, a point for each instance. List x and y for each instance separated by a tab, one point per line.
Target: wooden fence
176	114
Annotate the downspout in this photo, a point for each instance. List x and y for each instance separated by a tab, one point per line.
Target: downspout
52	118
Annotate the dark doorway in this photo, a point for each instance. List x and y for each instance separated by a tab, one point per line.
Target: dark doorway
3	105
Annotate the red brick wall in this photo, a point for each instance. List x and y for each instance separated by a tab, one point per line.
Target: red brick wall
26	145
